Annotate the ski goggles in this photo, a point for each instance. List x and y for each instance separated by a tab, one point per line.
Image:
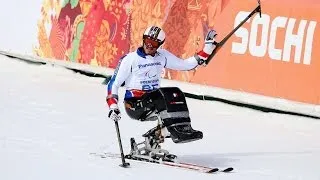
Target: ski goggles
151	43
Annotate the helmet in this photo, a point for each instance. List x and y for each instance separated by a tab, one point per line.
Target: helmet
155	33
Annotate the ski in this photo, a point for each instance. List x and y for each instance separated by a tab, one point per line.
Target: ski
182	165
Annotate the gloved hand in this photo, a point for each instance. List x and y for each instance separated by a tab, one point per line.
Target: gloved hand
114	112
209	42
209	45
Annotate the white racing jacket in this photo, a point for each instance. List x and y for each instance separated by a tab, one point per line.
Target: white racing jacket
143	72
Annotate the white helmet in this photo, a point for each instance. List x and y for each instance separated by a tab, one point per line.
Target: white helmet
156	33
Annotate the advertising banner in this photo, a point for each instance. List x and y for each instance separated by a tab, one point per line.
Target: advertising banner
276	55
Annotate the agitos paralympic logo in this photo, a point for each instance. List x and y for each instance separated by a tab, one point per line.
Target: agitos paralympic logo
280	37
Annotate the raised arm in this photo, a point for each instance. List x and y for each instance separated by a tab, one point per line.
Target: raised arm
175	63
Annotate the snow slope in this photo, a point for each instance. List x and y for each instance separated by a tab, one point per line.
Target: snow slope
51	119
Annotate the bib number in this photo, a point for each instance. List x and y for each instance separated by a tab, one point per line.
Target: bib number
147	87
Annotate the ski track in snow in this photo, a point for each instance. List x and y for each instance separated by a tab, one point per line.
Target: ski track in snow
52	118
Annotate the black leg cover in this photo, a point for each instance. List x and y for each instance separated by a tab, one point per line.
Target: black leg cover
171	104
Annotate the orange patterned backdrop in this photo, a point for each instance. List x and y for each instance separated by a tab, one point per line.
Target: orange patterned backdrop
99	32
276	55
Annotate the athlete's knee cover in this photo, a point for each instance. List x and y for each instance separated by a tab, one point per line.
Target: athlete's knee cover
171	105
171	99
137	109
169	102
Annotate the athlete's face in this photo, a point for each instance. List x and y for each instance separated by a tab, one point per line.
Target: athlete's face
150	46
